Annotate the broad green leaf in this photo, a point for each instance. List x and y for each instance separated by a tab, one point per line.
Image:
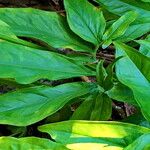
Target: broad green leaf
7	34
119	27
108	83
102	108
144	47
120	7
85	20
96	107
137	119
82	58
27	106
100	73
146	1
29	143
61	115
105	76
79	135
48	27
141	143
122	93
83	112
133	71
27	65
135	30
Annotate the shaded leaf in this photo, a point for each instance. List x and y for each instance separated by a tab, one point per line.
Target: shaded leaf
108	84
122	93
83	112
100	73
102	109
137	119
141	143
95	107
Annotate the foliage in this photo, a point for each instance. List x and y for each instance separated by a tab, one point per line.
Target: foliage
84	31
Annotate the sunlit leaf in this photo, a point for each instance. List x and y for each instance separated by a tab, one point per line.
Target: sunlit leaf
78	135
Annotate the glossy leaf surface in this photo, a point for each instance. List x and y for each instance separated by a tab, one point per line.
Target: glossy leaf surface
133	71
120	7
136	30
78	135
119	27
85	20
7	34
48	27
27	65
30	105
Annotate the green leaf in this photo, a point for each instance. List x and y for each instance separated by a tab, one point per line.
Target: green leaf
85	20
133	71
105	76
11	143
94	135
27	65
30	105
146	1
144	47
95	107
61	115
119	27
82	58
122	93
141	143
102	108
135	30
7	34
120	7
46	26
109	83
83	112
100	73
137	119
